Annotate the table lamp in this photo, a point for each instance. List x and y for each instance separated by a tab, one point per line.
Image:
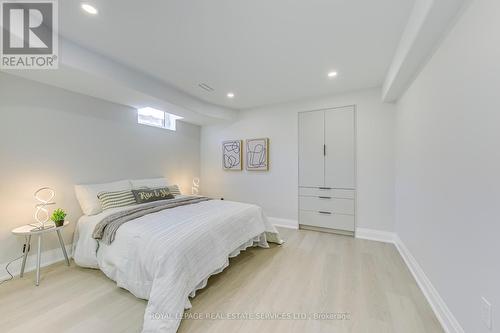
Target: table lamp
195	189
44	196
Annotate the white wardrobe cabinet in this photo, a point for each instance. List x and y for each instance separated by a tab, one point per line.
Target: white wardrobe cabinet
311	148
327	164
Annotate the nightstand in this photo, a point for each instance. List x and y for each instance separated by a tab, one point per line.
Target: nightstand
30	230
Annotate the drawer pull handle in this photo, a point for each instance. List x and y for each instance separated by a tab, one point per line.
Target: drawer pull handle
325	197
325	188
327	213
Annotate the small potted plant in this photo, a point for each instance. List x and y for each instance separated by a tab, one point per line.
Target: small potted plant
58	217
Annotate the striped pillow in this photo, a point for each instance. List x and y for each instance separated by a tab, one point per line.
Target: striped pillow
116	199
174	189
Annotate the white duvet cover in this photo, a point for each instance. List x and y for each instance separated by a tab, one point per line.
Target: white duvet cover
166	256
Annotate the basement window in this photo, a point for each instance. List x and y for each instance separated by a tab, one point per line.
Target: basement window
157	118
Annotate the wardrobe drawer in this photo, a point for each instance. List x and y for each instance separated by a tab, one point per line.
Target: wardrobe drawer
330	221
326	192
328	204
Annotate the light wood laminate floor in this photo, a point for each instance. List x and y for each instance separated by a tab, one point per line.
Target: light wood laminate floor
311	273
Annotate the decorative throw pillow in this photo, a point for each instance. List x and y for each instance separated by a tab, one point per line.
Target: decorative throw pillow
150	195
174	189
87	194
116	199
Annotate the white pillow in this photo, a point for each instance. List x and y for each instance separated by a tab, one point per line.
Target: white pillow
149	182
87	194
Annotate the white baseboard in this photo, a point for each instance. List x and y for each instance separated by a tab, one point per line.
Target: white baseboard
375	235
446	318
284	223
48	258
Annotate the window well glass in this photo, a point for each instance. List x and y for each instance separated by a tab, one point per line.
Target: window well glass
157	118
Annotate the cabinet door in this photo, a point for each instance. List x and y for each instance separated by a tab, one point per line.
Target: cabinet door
340	148
311	141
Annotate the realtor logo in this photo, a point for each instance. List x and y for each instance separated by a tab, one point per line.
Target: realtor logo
29	34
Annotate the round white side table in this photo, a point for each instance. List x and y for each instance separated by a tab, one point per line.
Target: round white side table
30	230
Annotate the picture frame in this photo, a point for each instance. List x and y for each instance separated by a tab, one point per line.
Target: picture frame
257	154
232	155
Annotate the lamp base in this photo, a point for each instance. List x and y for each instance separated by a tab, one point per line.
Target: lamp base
37	227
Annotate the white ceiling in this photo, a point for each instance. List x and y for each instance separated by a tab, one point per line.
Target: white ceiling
264	51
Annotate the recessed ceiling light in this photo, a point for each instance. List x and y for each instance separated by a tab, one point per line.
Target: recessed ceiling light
89	8
332	74
230	95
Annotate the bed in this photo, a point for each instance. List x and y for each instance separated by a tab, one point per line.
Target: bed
167	255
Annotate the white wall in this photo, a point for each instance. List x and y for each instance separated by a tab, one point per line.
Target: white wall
276	190
52	137
448	166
